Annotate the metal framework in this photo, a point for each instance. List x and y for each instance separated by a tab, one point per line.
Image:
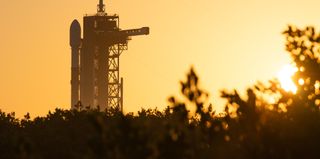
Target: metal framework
115	84
96	78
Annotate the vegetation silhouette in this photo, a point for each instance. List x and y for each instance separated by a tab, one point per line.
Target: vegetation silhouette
268	123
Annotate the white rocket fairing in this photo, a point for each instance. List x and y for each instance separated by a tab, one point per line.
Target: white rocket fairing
75	43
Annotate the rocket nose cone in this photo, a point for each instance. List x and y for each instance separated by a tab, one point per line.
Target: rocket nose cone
75	33
75	24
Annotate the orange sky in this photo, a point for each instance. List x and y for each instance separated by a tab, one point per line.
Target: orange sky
231	44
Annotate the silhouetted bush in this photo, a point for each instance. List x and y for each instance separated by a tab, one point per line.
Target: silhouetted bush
286	127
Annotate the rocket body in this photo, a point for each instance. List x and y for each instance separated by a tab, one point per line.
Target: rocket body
75	43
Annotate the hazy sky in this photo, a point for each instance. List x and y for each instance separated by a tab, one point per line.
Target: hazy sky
231	44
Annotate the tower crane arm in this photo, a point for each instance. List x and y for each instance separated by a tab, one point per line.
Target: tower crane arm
136	32
123	36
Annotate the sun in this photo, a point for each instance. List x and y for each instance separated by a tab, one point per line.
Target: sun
284	76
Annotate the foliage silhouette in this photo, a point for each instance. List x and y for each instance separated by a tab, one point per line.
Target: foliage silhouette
286	127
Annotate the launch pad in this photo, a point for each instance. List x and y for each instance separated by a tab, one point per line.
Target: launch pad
95	79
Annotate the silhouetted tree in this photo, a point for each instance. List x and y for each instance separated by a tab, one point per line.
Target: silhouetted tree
267	122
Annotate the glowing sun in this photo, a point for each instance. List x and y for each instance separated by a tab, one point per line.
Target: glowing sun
284	76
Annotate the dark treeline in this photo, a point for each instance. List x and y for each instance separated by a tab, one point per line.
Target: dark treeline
267	123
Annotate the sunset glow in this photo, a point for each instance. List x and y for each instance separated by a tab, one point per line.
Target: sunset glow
223	40
285	78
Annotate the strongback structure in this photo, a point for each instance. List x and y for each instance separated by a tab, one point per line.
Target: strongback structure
95	79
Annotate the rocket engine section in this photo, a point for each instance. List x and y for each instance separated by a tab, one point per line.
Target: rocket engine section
75	43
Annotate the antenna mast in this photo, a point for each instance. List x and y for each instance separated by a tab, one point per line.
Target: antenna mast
101	7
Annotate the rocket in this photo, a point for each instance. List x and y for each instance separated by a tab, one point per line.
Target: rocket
75	43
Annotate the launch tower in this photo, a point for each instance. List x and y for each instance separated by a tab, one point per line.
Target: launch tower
95	62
